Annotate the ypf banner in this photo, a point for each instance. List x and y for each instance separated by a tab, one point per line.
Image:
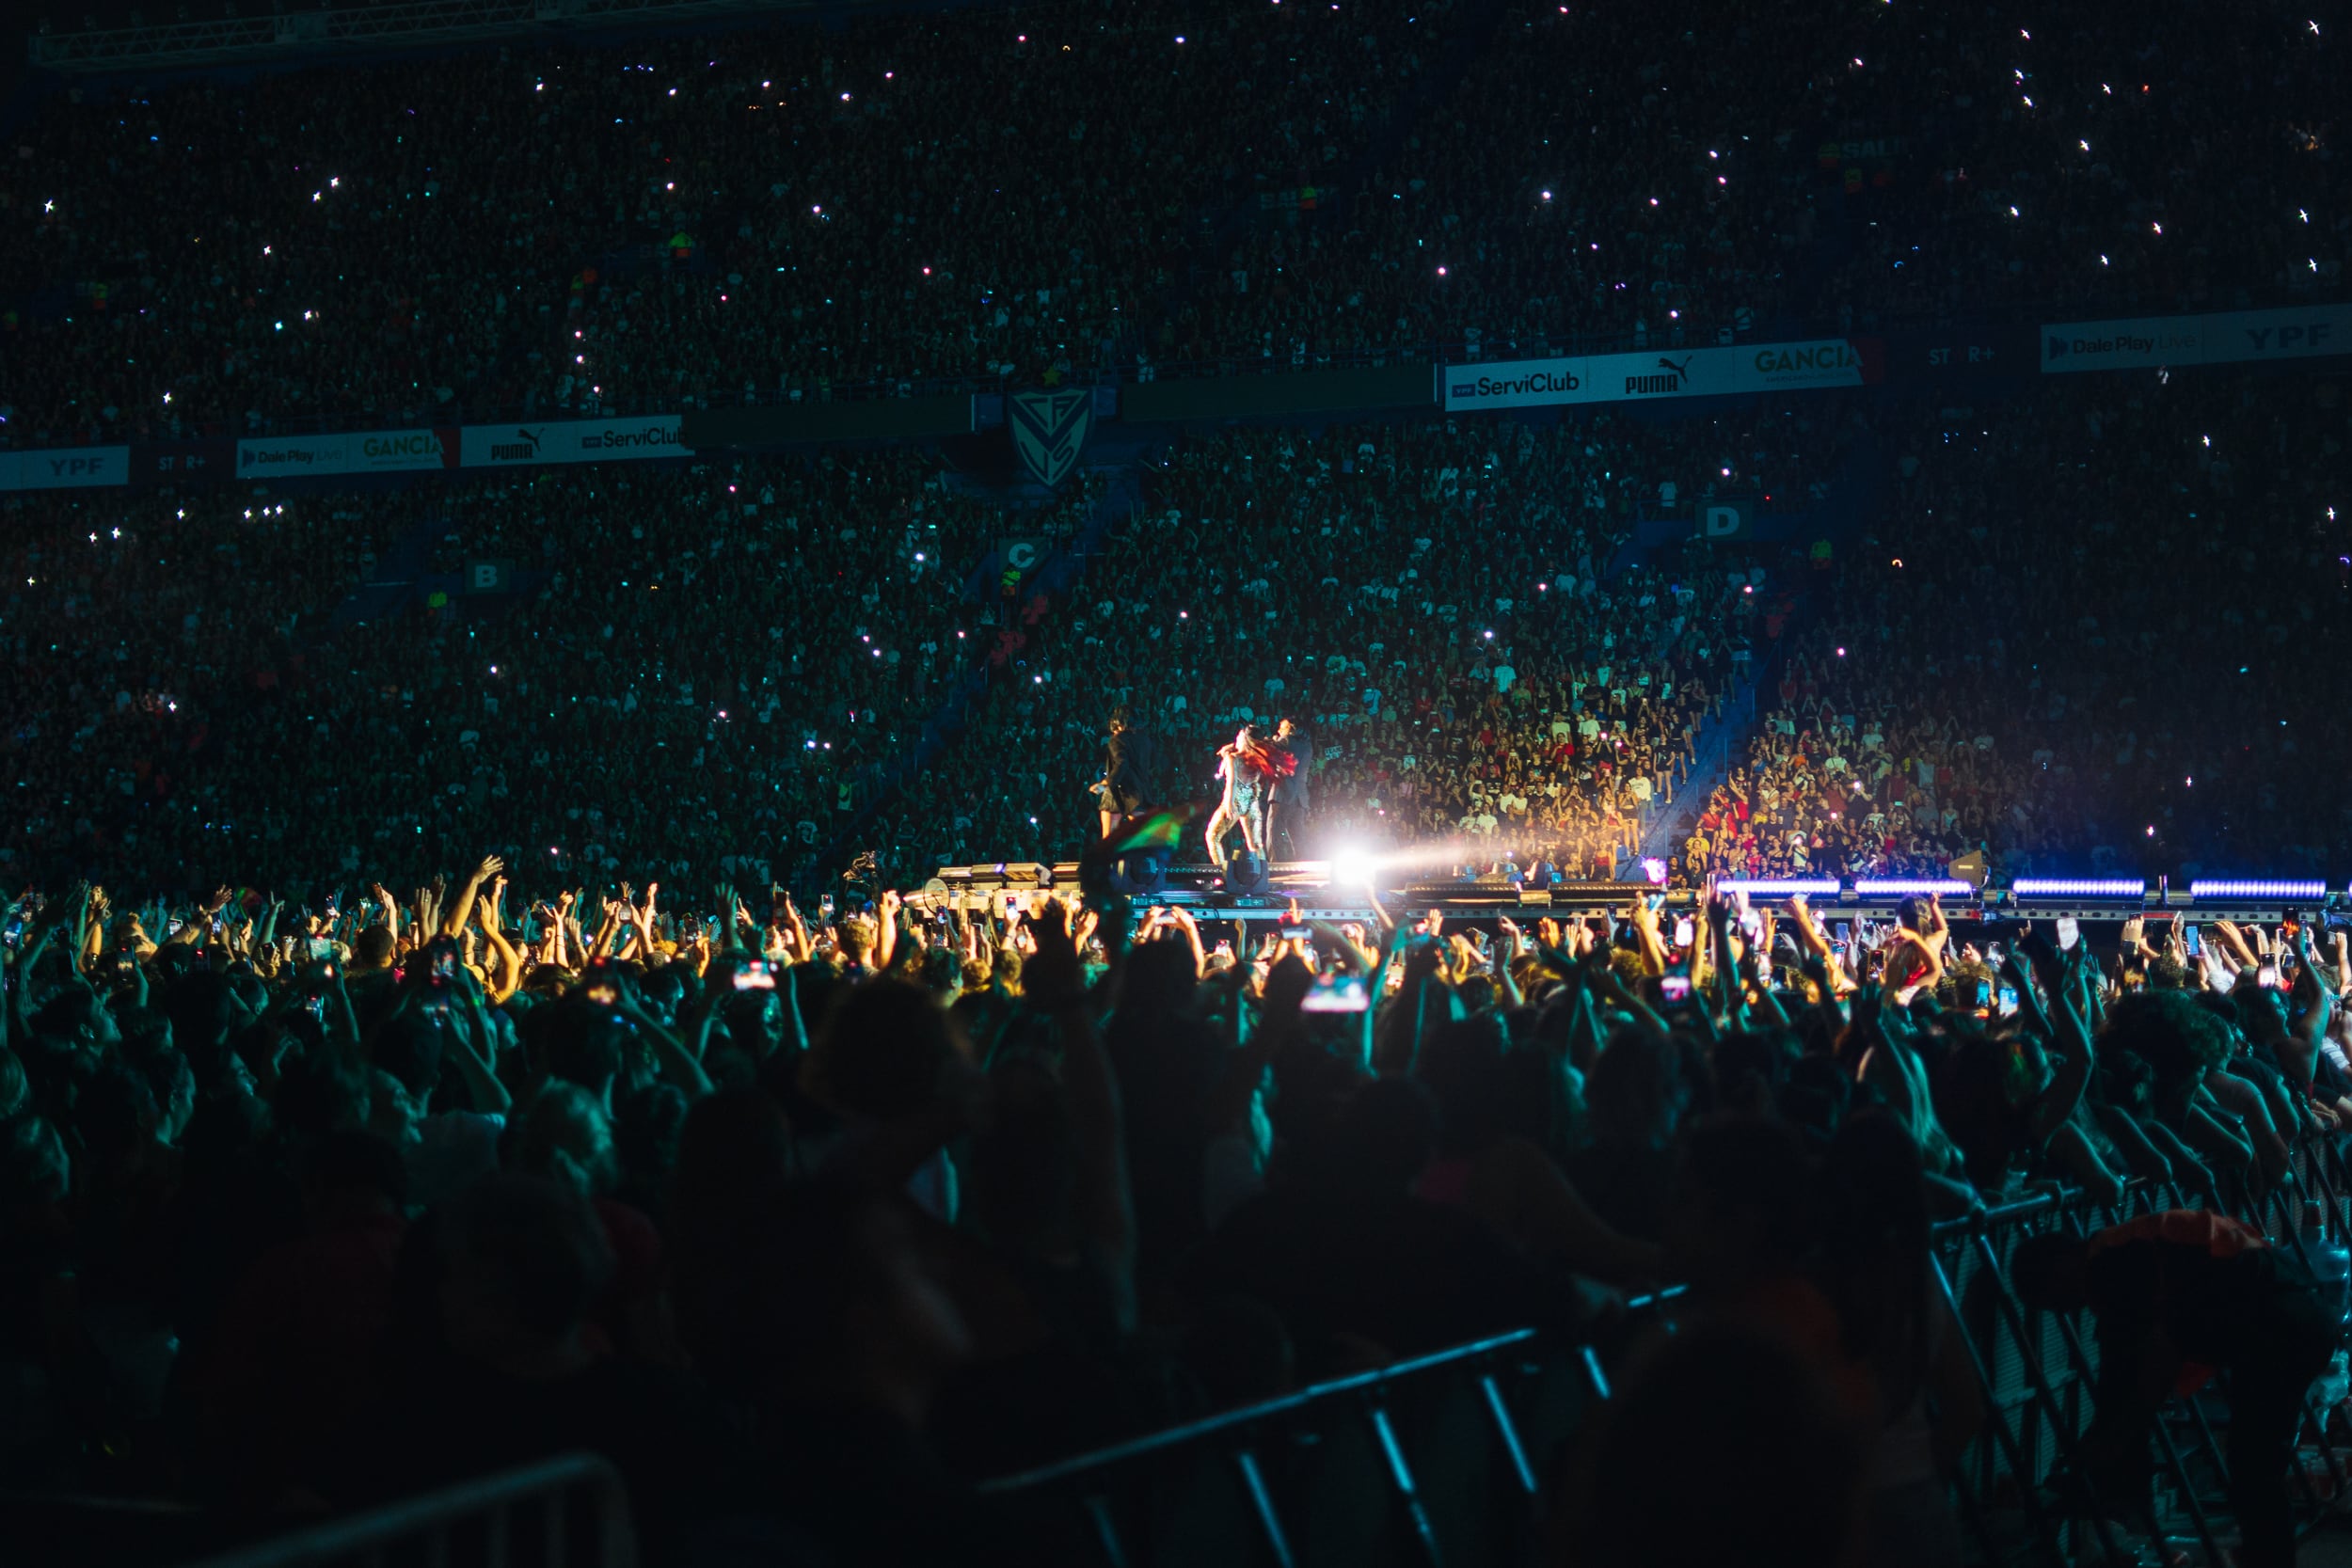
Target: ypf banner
360	451
1692	372
509	446
2222	337
65	467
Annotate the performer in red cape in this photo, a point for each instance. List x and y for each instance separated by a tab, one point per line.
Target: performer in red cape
1247	768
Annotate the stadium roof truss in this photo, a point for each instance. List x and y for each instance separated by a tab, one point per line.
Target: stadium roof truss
295	37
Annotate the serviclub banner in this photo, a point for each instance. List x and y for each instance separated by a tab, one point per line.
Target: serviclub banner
507	446
2222	337
65	467
1692	372
363	451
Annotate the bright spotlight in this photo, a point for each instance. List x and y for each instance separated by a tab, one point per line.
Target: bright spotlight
1352	867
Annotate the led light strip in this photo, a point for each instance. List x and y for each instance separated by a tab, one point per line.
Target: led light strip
2088	887
2258	890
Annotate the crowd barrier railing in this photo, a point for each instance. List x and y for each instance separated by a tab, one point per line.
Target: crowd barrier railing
570	1512
1438	1459
1446	1457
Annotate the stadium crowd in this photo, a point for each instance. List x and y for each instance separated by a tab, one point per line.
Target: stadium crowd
808	1219
209	685
1081	189
1434	605
1750	168
2066	660
754	216
413	1058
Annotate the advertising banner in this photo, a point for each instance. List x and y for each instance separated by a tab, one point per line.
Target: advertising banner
359	451
180	462
1941	352
65	467
2223	337
1687	372
511	446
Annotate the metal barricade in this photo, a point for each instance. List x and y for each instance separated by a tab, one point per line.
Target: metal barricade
1438	1459
1441	1458
570	1512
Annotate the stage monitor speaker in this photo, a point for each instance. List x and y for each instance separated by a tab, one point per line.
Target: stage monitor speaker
1246	875
1140	873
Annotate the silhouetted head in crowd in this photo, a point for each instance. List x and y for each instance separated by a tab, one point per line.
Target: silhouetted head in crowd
1788	1494
1024	1162
1744	1207
567	1137
2179	1040
581	1042
843	1305
34	1170
1465	1067
885	1049
372	950
350	1174
521	1258
1635	1094
75	1020
1385	1137
409	1048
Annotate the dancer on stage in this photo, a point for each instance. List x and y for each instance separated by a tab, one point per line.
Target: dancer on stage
1130	769
1286	795
1244	767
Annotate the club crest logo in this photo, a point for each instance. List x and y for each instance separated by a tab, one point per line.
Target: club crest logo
1049	431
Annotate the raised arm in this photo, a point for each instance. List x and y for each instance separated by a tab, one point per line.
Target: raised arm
460	910
510	962
2070	1033
885	928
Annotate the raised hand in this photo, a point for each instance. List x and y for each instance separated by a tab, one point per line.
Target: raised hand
1053	975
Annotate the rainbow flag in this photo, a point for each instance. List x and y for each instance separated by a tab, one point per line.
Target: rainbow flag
1162	830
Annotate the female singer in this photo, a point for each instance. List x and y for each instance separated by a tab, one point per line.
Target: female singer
1240	766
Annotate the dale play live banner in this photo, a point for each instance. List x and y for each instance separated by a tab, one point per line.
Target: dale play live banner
2223	337
1689	372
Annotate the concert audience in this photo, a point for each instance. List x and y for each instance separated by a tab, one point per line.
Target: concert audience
730	1197
748	642
979	197
412	1061
752	215
1439	606
2067	661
